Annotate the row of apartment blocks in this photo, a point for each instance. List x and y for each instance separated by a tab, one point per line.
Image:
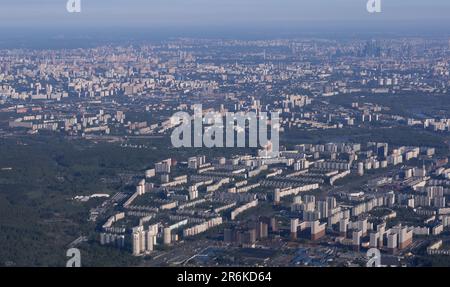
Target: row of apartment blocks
234	186
143	238
247	235
397	237
280	193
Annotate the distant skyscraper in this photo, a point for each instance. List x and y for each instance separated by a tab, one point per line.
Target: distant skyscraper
372	49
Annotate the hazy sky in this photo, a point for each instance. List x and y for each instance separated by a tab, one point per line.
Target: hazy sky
245	14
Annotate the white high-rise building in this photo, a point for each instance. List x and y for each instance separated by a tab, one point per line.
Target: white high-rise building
167	236
374	239
356	237
136	237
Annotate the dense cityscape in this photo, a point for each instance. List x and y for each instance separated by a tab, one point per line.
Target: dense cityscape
87	162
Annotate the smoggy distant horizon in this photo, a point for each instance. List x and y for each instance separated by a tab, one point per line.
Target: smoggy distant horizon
179	13
219	18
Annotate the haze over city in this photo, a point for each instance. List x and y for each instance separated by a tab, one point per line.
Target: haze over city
188	15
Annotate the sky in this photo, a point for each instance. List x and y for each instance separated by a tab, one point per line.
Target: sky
222	15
